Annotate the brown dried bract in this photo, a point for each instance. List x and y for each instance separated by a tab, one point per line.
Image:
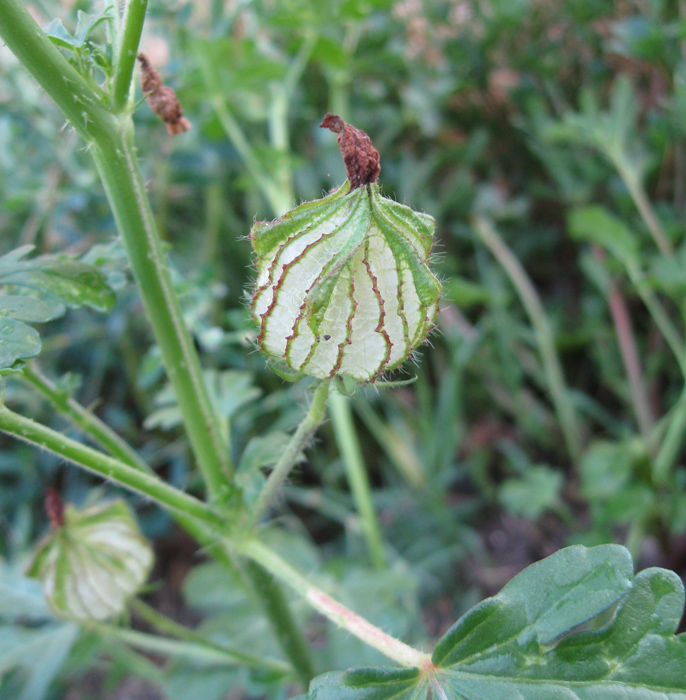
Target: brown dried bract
360	157
162	99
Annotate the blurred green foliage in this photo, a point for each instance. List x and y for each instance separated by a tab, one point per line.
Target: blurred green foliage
563	123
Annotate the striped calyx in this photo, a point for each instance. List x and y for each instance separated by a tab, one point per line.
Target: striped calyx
92	562
344	286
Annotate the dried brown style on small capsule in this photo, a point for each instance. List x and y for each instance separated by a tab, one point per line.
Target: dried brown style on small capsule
54	508
360	157
162	99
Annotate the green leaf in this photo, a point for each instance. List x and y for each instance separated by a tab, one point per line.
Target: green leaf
40	289
29	308
534	493
369	684
58	34
575	626
36	654
87	23
74	282
17	342
596	225
34	646
229	391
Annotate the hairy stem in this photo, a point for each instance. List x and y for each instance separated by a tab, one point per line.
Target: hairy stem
275	606
390	647
277	611
107	467
349	445
118	167
544	334
300	438
128	49
83	418
78	101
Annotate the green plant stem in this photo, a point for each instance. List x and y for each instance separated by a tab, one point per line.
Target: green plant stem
114	154
83	418
671	443
199	645
128	50
659	315
69	90
276	609
390	647
297	443
348	444
107	467
544	334
120	449
645	208
118	167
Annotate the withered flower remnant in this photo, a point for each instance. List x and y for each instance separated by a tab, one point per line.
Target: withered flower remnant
162	99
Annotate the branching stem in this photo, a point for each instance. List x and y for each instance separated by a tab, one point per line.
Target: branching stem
107	467
82	417
128	49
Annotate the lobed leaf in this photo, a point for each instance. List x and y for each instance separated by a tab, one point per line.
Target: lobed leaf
41	288
575	626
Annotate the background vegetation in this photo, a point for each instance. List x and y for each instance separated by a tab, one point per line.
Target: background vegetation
548	141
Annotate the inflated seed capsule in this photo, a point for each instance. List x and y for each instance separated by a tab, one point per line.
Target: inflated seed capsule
92	561
344	286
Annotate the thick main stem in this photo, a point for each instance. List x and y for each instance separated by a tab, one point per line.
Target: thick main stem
544	334
78	101
300	438
118	167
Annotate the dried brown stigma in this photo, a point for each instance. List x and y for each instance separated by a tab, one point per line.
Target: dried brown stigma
162	99
54	508
360	157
